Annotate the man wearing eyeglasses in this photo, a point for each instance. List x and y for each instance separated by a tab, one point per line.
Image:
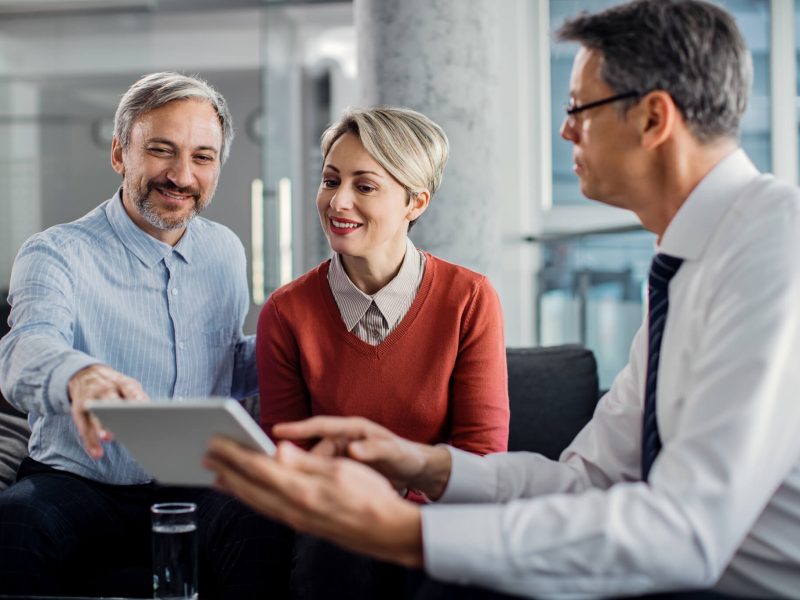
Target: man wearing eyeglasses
688	475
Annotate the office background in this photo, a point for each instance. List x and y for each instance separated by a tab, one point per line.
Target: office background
489	71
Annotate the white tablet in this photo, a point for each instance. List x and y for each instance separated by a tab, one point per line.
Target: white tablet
169	438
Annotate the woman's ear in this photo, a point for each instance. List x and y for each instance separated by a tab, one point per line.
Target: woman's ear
418	204
659	118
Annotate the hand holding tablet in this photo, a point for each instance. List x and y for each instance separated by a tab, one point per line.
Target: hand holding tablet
170	438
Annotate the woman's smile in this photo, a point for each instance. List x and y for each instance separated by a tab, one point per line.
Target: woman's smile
339	226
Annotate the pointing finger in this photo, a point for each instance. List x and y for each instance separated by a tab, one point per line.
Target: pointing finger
324	426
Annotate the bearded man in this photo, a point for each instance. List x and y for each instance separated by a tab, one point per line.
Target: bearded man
138	298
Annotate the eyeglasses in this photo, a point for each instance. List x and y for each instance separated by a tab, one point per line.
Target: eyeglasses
572	110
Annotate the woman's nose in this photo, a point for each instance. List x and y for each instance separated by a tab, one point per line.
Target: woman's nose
341	199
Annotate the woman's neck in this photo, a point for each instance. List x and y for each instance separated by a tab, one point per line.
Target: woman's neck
370	274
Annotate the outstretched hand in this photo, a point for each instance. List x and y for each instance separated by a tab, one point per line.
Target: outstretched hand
330	497
408	465
98	382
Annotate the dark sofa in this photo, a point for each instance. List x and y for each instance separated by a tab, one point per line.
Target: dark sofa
553	392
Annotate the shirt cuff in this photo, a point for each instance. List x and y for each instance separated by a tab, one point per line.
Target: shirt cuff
472	478
464	555
57	400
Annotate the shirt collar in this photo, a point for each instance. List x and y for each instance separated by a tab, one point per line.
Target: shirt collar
693	225
395	297
144	246
353	303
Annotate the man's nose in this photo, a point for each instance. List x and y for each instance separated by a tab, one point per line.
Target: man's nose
180	172
568	130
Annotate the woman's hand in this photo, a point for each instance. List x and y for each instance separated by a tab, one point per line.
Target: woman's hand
330	497
406	464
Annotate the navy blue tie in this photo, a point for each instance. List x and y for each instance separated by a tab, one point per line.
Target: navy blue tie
662	271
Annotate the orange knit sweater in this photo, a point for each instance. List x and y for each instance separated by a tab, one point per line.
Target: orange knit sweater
440	376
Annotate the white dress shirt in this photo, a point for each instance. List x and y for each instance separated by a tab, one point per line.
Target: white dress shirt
722	507
373	317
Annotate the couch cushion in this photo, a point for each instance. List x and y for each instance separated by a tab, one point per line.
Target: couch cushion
553	392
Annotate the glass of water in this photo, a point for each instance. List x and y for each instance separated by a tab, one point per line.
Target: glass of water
174	550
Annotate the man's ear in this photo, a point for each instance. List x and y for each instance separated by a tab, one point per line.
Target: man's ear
116	156
660	115
418	204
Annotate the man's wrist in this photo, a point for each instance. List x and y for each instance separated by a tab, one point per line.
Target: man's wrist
58	398
404	528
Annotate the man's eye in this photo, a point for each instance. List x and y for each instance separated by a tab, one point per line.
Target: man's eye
204	158
159	151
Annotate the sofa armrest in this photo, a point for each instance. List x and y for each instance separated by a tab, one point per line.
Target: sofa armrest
14	433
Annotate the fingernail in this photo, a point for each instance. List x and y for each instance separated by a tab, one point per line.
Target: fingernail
288	449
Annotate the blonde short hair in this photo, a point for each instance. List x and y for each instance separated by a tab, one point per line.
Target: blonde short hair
412	148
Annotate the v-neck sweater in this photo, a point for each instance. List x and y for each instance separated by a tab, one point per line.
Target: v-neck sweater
440	376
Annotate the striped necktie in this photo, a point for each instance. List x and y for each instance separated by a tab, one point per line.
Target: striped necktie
662	271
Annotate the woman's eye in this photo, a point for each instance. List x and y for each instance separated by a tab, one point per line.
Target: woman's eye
366	189
329	183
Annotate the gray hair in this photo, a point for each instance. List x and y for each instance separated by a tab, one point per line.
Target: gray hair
690	49
412	148
157	89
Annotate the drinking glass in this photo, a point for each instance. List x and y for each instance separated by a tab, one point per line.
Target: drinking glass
174	550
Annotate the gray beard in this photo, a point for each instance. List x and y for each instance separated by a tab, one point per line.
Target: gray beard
148	212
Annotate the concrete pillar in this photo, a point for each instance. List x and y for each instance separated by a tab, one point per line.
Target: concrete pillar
467	65
428	55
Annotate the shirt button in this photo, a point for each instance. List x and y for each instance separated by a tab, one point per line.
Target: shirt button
174	291
180	345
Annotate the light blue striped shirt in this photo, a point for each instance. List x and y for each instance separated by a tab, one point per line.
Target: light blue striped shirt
101	290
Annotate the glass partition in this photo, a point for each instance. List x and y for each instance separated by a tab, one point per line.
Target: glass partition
591	290
284	67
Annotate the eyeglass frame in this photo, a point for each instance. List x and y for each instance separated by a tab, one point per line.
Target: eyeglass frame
574	110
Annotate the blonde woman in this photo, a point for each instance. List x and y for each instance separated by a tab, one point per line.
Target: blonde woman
383	330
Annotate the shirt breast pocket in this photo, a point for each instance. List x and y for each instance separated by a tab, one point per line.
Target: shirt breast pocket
216	338
216	358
